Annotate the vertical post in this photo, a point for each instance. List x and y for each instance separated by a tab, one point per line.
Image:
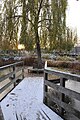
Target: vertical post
14	75
1	114
62	96
23	70
45	87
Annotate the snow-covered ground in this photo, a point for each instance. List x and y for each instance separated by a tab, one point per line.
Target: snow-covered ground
25	102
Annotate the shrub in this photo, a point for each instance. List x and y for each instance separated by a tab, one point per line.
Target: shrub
29	61
65	64
78	58
57	64
65	58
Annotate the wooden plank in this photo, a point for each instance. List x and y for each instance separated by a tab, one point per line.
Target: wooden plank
1	114
64	105
45	88
23	72
9	75
63	74
69	116
19	69
61	89
45	65
62	96
6	66
6	76
7	85
55	81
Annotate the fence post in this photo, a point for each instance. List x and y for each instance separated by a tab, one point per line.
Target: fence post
62	96
23	70
45	87
1	114
14	75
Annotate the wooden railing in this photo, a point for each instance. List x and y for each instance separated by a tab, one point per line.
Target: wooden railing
12	75
58	97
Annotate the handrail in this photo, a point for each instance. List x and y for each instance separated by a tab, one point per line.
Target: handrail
60	73
45	65
12	77
6	66
65	109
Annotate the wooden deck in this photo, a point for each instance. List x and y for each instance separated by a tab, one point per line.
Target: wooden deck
25	102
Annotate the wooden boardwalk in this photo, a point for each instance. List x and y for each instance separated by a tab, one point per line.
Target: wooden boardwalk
25	102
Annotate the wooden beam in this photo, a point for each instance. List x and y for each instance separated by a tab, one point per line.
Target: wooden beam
61	89
1	114
68	108
62	74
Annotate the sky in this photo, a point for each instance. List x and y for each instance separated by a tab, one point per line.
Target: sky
73	16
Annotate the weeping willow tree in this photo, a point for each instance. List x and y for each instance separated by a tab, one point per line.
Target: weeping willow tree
53	24
10	26
58	23
71	39
1	29
31	15
48	20
42	22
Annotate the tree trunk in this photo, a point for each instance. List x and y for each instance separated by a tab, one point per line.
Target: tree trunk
39	60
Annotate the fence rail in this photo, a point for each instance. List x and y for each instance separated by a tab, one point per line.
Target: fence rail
60	98
10	78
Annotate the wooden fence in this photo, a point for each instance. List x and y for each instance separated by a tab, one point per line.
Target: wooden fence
10	79
58	97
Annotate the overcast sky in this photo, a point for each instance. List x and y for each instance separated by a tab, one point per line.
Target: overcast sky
73	15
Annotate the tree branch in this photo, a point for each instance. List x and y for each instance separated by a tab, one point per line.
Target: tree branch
30	21
15	16
44	20
39	9
18	16
17	6
43	26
